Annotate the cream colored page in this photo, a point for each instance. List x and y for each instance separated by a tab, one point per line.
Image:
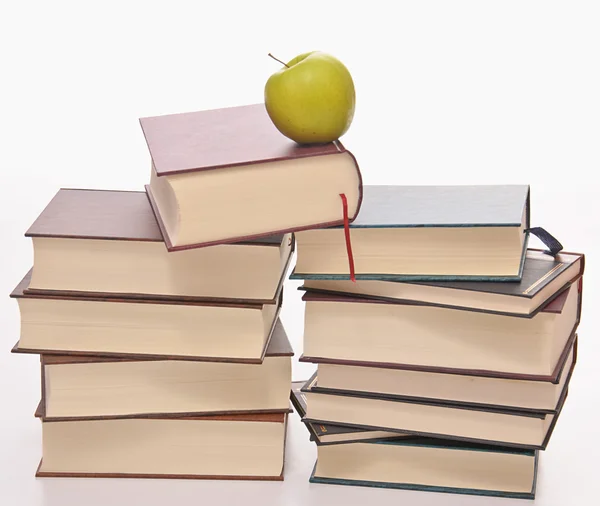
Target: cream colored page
480	470
459	251
141	328
245	272
477	389
422	335
273	196
427	419
125	388
163	447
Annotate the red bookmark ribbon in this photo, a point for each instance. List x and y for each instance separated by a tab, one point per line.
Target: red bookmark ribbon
347	234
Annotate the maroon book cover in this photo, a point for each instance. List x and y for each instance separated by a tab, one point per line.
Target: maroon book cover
107	215
227	137
240	136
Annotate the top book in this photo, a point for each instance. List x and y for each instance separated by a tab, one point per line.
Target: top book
425	233
228	175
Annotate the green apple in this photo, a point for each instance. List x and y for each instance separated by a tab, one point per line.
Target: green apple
311	99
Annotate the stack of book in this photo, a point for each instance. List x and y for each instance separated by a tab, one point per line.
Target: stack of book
446	364
156	313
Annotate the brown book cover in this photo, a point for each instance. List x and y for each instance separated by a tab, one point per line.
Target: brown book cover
241	417
554	306
46	474
242	135
108	215
248	417
278	346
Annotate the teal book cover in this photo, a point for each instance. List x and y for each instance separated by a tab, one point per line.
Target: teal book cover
410	210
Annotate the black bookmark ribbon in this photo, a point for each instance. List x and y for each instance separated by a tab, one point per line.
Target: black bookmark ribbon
551	242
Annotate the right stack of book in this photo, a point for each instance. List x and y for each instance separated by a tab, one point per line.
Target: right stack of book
445	363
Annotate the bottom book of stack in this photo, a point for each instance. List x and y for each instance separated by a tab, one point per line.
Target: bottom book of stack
355	456
242	446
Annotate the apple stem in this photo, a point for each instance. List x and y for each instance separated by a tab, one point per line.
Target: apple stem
276	59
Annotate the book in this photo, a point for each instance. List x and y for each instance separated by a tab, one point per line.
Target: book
487	425
67	324
429	465
425	233
323	434
228	174
416	463
462	390
243	446
544	277
101	387
352	331
101	241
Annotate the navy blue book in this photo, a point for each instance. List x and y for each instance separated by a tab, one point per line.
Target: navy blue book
425	233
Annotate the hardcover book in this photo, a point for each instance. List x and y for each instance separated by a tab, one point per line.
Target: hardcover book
228	174
544	277
171	329
366	332
416	463
424	233
326	433
232	447
461	390
487	425
76	387
429	465
87	242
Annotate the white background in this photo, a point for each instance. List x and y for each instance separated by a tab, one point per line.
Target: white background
448	92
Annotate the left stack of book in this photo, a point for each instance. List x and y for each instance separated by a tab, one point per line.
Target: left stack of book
154	363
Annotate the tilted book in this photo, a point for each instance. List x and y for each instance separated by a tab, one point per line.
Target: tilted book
424	233
66	324
327	433
439	419
528	394
404	461
228	174
544	278
374	333
87	242
76	387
